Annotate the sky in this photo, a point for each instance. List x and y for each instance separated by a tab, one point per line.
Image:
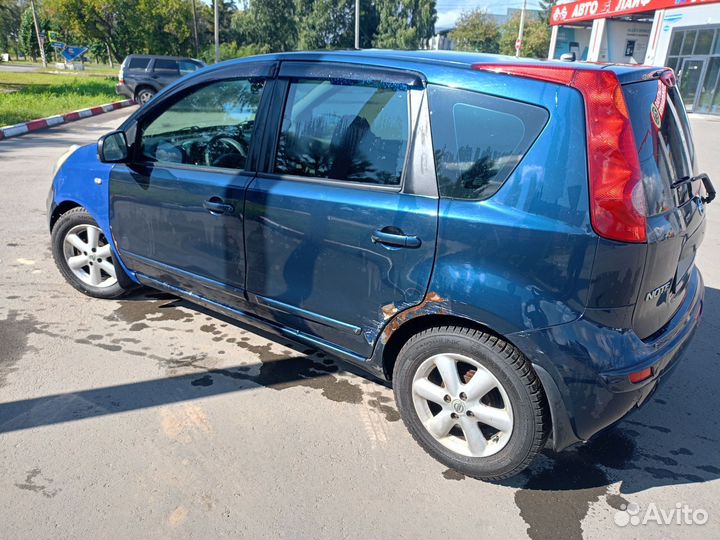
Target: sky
449	10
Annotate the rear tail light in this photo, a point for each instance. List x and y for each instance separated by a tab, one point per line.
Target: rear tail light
617	196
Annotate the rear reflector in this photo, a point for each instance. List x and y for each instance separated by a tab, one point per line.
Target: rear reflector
640	376
617	196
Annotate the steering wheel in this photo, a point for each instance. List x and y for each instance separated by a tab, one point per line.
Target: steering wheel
214	148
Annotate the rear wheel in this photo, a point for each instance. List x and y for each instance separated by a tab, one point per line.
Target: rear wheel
84	257
472	401
144	95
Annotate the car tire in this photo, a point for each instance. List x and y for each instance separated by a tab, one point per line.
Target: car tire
84	256
144	95
445	407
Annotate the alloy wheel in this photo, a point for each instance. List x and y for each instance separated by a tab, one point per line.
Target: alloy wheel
462	405
89	256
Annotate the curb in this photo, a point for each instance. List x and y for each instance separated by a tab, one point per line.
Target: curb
33	125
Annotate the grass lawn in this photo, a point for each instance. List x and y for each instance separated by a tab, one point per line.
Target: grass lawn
27	96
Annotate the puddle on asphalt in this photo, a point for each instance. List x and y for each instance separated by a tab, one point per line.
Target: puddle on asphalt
554	500
14	333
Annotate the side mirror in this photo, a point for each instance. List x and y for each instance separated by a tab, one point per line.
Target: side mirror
568	57
112	148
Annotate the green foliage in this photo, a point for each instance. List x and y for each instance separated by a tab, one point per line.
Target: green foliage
330	24
269	25
27	37
476	31
536	37
10	16
545	8
404	24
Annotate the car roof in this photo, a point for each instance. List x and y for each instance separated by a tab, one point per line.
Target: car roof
449	59
161	56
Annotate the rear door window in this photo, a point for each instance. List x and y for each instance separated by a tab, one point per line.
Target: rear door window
166	66
341	130
663	140
479	139
138	63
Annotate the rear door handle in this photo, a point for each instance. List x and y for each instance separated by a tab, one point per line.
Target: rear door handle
215	205
395	239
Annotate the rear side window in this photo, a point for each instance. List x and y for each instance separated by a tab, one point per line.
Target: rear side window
344	131
663	142
479	139
163	64
138	63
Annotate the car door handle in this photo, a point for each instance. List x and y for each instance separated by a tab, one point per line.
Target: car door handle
216	205
395	239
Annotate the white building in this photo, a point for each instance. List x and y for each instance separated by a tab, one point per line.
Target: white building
681	34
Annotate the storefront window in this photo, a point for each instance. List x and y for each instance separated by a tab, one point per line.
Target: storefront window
694	55
689	42
704	42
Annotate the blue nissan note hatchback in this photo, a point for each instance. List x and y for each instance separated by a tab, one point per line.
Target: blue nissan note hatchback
510	243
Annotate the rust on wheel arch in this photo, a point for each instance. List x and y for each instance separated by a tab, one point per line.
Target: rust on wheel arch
431	304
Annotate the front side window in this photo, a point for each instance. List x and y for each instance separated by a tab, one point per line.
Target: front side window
342	131
210	127
479	139
188	67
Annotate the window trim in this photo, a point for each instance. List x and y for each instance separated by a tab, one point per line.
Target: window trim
284	81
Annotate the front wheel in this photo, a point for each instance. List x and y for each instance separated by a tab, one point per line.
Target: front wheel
472	401
84	257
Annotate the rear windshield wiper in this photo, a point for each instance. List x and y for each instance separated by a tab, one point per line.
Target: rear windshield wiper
706	182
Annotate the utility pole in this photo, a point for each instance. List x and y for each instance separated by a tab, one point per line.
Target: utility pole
357	24
518	43
195	32
217	32
40	40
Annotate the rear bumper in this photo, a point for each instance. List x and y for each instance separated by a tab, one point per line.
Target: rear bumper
123	90
585	367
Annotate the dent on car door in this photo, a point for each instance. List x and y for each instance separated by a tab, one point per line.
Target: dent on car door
177	209
340	233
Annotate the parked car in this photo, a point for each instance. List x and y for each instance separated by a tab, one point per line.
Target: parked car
509	243
142	76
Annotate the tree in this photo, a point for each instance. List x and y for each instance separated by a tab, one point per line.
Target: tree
536	37
27	37
476	31
404	24
545	9
268	25
330	24
10	17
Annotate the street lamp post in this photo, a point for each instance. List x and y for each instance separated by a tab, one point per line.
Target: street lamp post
217	32
40	40
357	24
518	43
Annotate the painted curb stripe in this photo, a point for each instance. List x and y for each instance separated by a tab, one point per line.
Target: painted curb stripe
40	123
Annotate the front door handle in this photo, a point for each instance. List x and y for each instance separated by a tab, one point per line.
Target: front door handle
216	205
394	239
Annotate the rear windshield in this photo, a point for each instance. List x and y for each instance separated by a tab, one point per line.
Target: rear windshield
664	144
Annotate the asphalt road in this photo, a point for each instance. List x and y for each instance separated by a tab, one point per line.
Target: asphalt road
151	417
18	68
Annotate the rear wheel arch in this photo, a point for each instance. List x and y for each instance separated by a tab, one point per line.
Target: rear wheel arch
563	434
416	325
